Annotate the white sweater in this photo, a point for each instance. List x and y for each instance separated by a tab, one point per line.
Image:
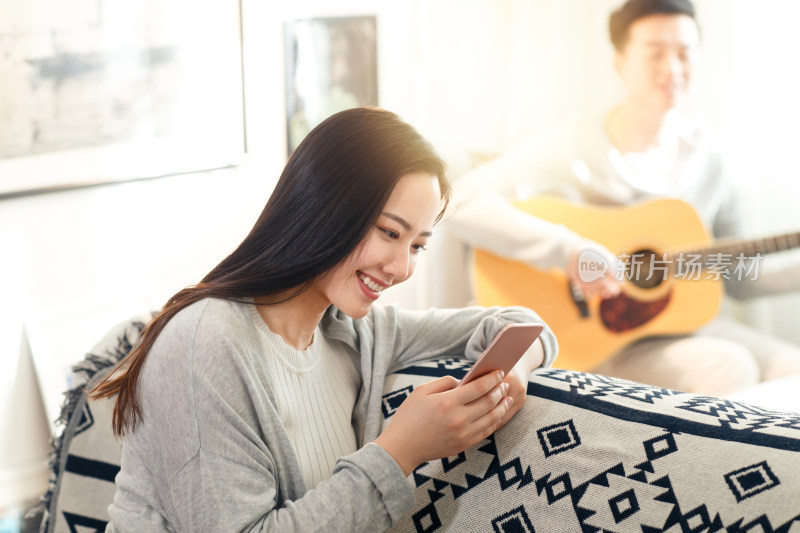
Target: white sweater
315	391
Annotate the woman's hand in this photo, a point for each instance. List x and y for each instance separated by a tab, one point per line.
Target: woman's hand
517	379
439	420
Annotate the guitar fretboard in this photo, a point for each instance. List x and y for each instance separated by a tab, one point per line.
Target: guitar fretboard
730	250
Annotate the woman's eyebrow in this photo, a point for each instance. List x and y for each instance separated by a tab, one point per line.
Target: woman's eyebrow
406	225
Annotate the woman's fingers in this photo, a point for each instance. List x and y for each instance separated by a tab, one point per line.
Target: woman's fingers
438	420
515	406
487	402
517	380
493	420
442	384
478	388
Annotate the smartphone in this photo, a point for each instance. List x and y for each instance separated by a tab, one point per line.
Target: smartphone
505	350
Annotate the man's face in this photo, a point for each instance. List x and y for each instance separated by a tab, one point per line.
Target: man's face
657	61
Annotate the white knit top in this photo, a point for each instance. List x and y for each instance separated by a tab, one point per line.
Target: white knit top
315	390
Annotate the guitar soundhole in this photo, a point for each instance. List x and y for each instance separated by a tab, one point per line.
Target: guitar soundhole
645	269
623	313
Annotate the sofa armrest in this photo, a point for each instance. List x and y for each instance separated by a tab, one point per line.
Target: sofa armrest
591	453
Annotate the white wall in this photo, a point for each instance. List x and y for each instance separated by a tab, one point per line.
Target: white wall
473	75
759	113
92	257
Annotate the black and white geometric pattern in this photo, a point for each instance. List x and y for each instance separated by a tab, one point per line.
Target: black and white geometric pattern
86	454
558	438
393	400
585	454
594	454
514	521
751	480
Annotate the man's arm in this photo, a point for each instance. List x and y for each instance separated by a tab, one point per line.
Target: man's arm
483	216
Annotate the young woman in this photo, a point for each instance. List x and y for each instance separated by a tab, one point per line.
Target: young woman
252	401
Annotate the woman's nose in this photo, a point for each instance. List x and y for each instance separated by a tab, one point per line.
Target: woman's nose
400	266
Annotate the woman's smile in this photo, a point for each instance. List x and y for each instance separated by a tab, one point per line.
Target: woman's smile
370	286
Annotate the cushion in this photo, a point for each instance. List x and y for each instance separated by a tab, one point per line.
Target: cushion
86	455
592	453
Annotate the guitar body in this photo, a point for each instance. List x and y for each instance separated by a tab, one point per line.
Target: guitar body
677	305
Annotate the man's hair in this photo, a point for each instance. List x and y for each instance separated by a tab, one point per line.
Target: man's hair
620	21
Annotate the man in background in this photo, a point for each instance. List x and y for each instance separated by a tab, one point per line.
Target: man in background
642	148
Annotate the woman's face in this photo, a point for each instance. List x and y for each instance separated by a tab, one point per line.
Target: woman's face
388	254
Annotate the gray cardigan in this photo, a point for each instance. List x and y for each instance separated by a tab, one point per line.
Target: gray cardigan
211	454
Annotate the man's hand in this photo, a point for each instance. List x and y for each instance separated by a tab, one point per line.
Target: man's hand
594	282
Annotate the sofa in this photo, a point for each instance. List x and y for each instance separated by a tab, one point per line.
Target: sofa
587	453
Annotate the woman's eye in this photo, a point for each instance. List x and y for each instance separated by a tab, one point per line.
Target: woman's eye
391	234
419	247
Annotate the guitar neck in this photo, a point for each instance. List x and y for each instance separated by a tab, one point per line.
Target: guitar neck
733	249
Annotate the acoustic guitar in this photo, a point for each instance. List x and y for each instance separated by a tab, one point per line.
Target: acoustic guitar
671	274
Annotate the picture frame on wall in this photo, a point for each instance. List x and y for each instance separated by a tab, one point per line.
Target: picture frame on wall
102	92
330	64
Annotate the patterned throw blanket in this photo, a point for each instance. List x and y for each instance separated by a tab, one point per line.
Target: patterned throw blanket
587	453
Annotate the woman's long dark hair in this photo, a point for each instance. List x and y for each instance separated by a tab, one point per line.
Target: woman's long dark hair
328	197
